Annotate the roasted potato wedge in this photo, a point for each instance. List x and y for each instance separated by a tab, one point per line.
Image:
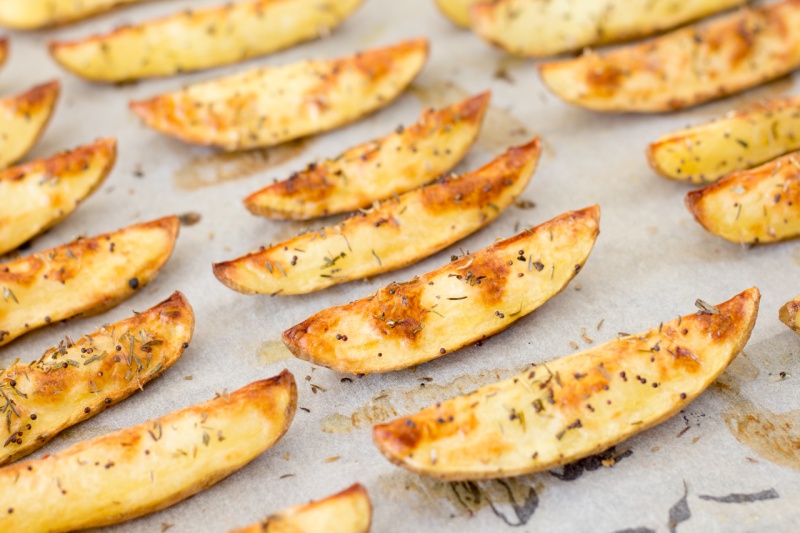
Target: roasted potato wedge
788	314
35	14
686	67
23	119
396	233
471	298
349	511
376	170
74	381
457	10
739	140
574	406
200	39
42	193
269	106
146	468
761	205
3	50
82	278
535	28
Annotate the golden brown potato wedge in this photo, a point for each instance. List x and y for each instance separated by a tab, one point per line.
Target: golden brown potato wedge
269	106
396	233
788	314
23	119
537	28
74	381
3	50
739	140
686	67
200	39
473	297
82	278
378	169
145	468
457	10
40	194
761	205
574	406
349	511
35	14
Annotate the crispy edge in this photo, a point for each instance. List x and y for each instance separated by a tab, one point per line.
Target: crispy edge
44	96
788	314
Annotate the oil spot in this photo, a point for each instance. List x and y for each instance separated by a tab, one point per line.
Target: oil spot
513	501
741	370
219	168
373	35
190	219
500	130
271	352
796	255
389	404
769	494
775	437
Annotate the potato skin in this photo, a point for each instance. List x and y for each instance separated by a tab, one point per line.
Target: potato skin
403	160
200	39
70	383
534	28
349	511
396	233
269	106
789	313
40	194
82	278
467	300
752	206
36	14
23	119
457	10
145	468
573	406
740	140
686	67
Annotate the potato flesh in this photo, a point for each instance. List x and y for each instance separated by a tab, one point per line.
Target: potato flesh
538	28
144	468
91	374
34	14
201	39
269	106
574	406
376	170
789	314
752	206
40	194
469	299
740	140
348	511
395	234
23	119
457	10
686	67
83	277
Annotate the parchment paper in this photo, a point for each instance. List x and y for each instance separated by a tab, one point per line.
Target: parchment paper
650	264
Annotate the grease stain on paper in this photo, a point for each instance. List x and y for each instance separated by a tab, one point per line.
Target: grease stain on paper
271	352
222	167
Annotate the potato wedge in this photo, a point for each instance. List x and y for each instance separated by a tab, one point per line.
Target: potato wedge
396	233
146	468
471	298
269	106
378	169
35	14
40	194
23	119
686	67
82	278
761	205
74	381
3	50
349	511
740	140
536	28
574	406
457	10
788	314
200	39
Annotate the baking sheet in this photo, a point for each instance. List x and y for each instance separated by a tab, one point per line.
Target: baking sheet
650	264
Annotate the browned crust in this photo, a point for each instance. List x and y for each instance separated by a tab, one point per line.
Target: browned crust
44	96
68	160
788	314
